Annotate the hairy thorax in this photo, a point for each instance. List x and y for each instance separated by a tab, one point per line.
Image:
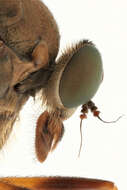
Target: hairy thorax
29	42
23	24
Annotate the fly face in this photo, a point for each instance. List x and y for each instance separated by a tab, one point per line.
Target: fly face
74	81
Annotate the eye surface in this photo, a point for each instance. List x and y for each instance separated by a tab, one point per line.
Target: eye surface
81	77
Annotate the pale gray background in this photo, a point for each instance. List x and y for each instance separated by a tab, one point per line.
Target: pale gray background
104	151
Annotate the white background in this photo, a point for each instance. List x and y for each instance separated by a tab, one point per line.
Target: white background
104	151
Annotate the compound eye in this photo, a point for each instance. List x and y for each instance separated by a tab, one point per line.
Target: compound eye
11	12
81	77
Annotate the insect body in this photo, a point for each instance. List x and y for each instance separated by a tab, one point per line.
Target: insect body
29	44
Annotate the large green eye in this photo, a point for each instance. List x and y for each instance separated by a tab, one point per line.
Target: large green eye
81	77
